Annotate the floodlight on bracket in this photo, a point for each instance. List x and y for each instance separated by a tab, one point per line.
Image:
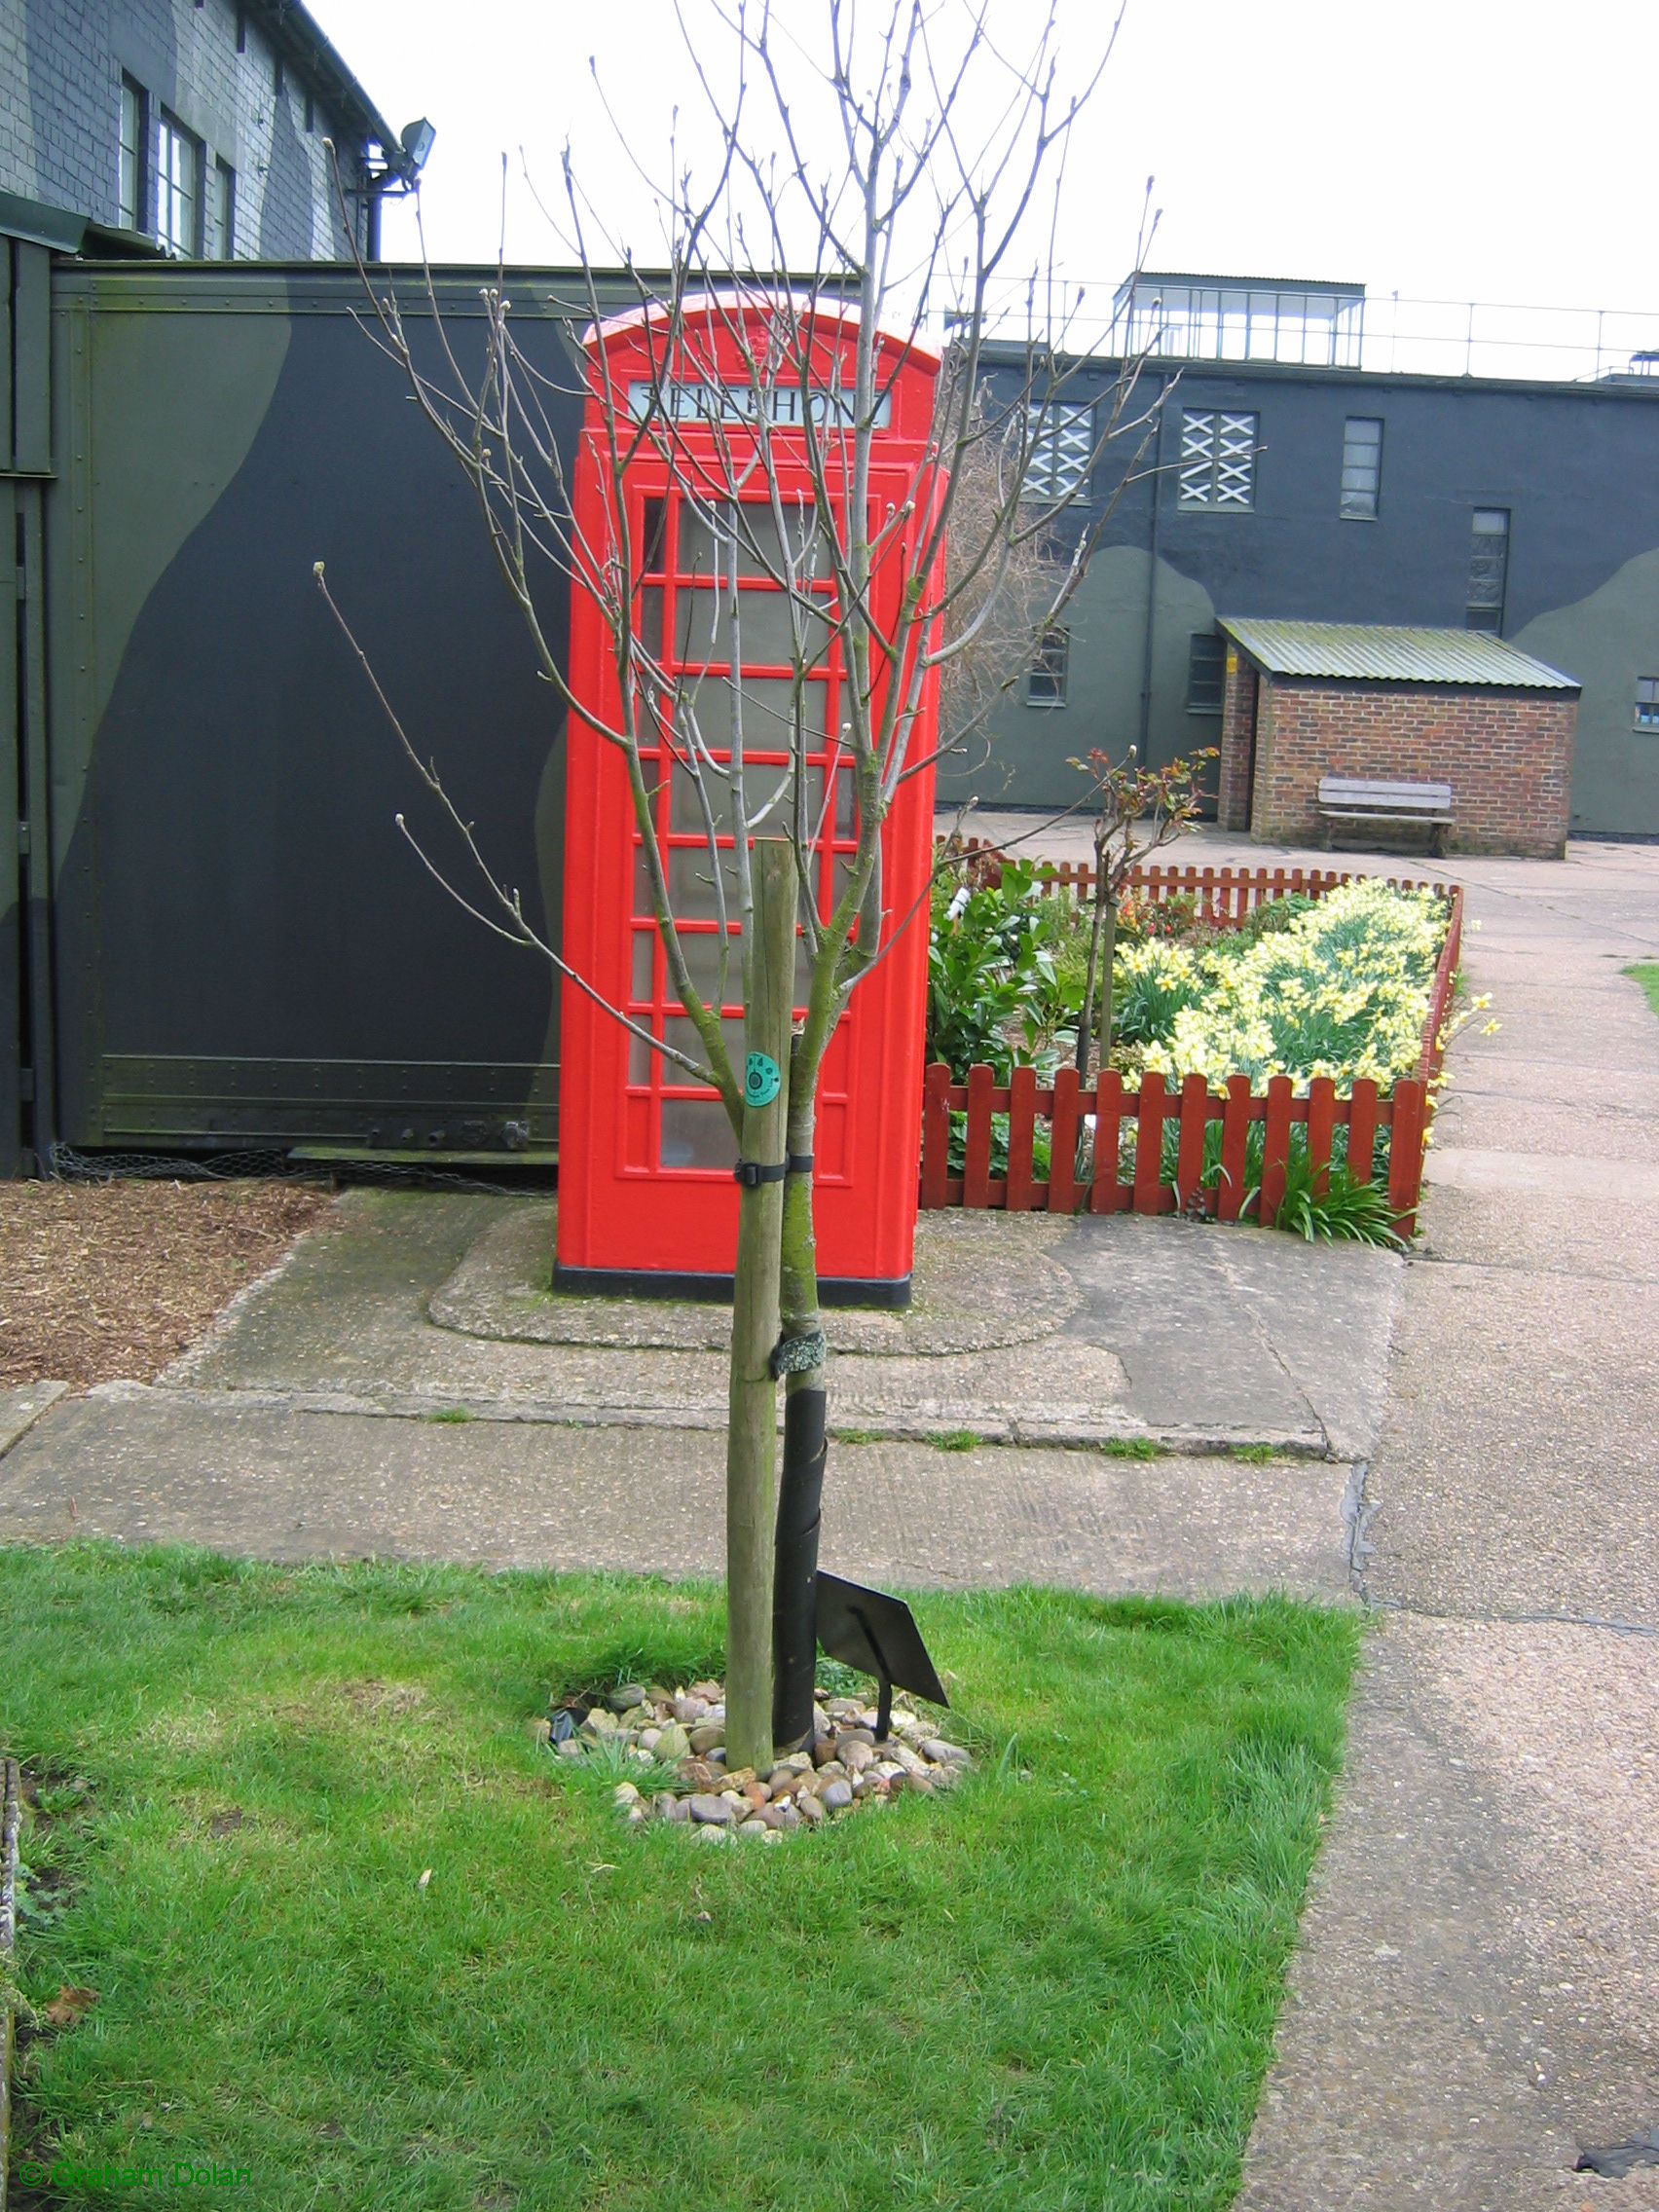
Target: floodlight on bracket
401	176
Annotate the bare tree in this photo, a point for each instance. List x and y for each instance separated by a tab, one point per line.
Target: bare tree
999	615
907	163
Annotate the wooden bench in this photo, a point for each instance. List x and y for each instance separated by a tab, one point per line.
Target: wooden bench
1353	798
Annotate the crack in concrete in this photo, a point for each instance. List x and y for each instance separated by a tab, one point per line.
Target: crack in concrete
1357	1511
1415	1611
1245	1303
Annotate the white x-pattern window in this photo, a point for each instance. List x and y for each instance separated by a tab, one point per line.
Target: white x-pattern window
1218	459
1059	443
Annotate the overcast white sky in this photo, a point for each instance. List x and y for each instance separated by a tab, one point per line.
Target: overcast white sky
1488	149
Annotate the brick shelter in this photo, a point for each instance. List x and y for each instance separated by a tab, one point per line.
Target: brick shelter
1310	699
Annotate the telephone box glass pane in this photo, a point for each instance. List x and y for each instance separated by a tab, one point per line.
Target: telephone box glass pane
770	629
681	1031
702	949
770	713
695	1134
771	787
645	951
716	545
691	882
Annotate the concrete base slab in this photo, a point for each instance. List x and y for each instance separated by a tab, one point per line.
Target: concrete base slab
1240	1327
980	1281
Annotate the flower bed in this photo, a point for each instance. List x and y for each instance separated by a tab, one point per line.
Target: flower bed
1290	1080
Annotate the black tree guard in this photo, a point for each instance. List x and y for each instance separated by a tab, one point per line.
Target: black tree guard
795	1605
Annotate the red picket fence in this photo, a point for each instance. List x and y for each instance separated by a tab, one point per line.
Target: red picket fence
1221	895
1398	1123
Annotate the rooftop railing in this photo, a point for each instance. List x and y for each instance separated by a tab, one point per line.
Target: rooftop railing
1385	334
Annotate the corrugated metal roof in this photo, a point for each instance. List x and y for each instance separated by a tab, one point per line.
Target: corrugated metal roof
1389	654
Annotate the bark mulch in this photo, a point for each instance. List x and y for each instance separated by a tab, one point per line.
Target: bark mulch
100	1281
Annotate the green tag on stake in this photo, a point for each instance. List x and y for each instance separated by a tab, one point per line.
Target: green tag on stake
761	1081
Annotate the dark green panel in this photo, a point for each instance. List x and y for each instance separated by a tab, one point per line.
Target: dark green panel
35	869
9	251
31	337
10	930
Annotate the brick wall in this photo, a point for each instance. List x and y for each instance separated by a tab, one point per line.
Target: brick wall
61	63
1237	728
1506	754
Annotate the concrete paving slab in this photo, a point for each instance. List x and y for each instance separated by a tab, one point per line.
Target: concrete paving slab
1470	2005
1599	1220
1515	1473
1232	1325
1544	1126
22	1407
255	1477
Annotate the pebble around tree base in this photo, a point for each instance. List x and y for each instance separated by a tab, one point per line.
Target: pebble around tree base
677	1738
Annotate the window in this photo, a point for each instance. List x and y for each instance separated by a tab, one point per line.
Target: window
1648	702
133	199
1059	445
221	225
1046	678
1206	673
1489	569
1218	461
1362	468
178	185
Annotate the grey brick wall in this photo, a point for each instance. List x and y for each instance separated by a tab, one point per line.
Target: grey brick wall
61	64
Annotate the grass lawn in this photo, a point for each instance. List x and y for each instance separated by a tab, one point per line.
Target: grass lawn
1046	1993
1646	974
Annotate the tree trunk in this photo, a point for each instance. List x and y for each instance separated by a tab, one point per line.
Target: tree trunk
1108	949
752	1437
1085	1020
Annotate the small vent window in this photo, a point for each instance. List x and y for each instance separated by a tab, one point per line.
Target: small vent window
1046	678
1060	443
1206	673
1362	468
221	229
1488	568
1218	459
135	118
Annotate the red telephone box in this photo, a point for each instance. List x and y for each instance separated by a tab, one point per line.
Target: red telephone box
646	1199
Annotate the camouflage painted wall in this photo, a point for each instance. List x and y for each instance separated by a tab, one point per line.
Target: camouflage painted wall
247	951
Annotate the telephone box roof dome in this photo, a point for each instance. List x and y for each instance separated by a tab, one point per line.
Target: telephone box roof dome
745	298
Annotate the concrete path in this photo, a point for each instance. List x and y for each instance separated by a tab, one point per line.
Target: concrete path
1477	1996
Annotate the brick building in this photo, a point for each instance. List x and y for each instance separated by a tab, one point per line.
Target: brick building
1304	700
200	127
1286	476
